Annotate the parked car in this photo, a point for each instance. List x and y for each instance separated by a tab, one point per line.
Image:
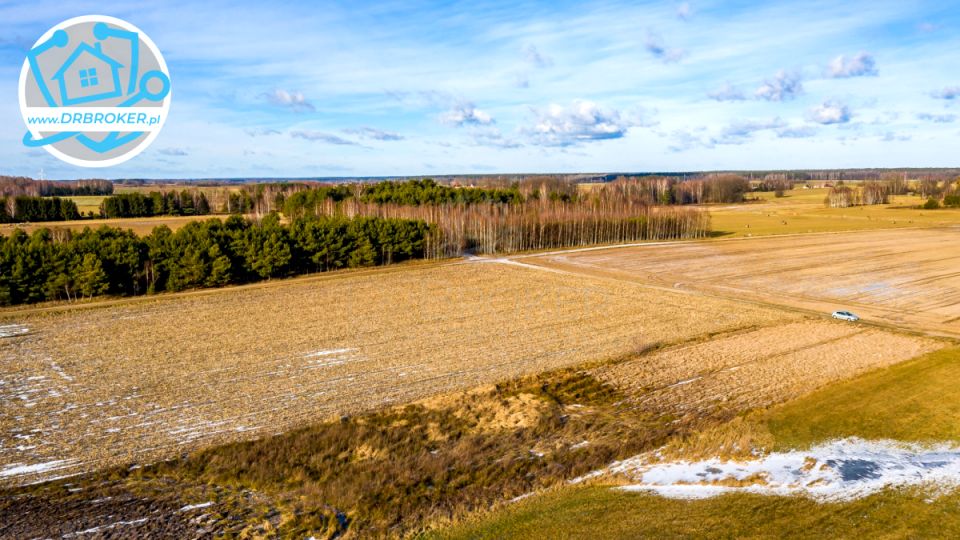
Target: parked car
845	316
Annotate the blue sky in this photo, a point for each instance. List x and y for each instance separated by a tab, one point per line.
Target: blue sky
292	89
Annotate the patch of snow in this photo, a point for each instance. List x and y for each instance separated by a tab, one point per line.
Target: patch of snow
18	469
837	470
328	352
580	444
189	507
95	530
11	330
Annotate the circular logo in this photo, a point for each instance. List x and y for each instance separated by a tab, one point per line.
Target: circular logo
94	91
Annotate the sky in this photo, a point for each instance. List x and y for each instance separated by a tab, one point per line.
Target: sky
353	88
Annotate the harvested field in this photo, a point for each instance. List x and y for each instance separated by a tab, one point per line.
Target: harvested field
907	277
141	226
757	368
147	379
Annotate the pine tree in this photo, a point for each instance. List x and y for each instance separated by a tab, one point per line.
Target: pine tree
91	280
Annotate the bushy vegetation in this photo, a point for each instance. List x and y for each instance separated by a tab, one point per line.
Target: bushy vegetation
67	265
24	208
171	203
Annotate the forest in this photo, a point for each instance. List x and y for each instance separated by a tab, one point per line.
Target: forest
66	265
24	208
13	186
538	214
168	203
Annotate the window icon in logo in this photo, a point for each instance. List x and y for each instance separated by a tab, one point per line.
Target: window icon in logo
88	77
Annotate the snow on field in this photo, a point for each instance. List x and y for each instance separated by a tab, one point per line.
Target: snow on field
19	469
836	470
10	330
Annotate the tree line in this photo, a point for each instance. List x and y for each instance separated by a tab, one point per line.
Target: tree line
670	190
24	208
66	265
532	225
168	203
13	186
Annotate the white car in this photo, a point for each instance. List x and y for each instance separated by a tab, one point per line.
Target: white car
845	316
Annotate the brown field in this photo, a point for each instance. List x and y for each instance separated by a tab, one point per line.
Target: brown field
907	278
757	368
141	226
147	379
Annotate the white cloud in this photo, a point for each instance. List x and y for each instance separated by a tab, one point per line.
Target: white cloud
536	58
742	131
655	46
798	132
948	93
859	65
684	11
937	118
492	137
293	99
727	92
582	121
830	112
374	134
466	113
783	86
319	136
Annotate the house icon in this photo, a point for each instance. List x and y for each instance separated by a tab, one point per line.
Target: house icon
88	75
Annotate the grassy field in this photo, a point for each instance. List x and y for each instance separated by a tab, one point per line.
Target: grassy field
904	278
912	401
88	203
803	211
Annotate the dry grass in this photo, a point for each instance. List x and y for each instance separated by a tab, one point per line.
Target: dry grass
140	226
803	211
148	379
757	368
906	278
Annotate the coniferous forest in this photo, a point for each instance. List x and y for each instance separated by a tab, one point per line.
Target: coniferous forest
65	265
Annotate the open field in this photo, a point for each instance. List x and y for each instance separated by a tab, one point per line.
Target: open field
165	375
408	468
906	278
757	368
670	341
911	401
803	211
141	226
88	203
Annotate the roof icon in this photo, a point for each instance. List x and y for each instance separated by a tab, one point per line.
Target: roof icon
77	80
